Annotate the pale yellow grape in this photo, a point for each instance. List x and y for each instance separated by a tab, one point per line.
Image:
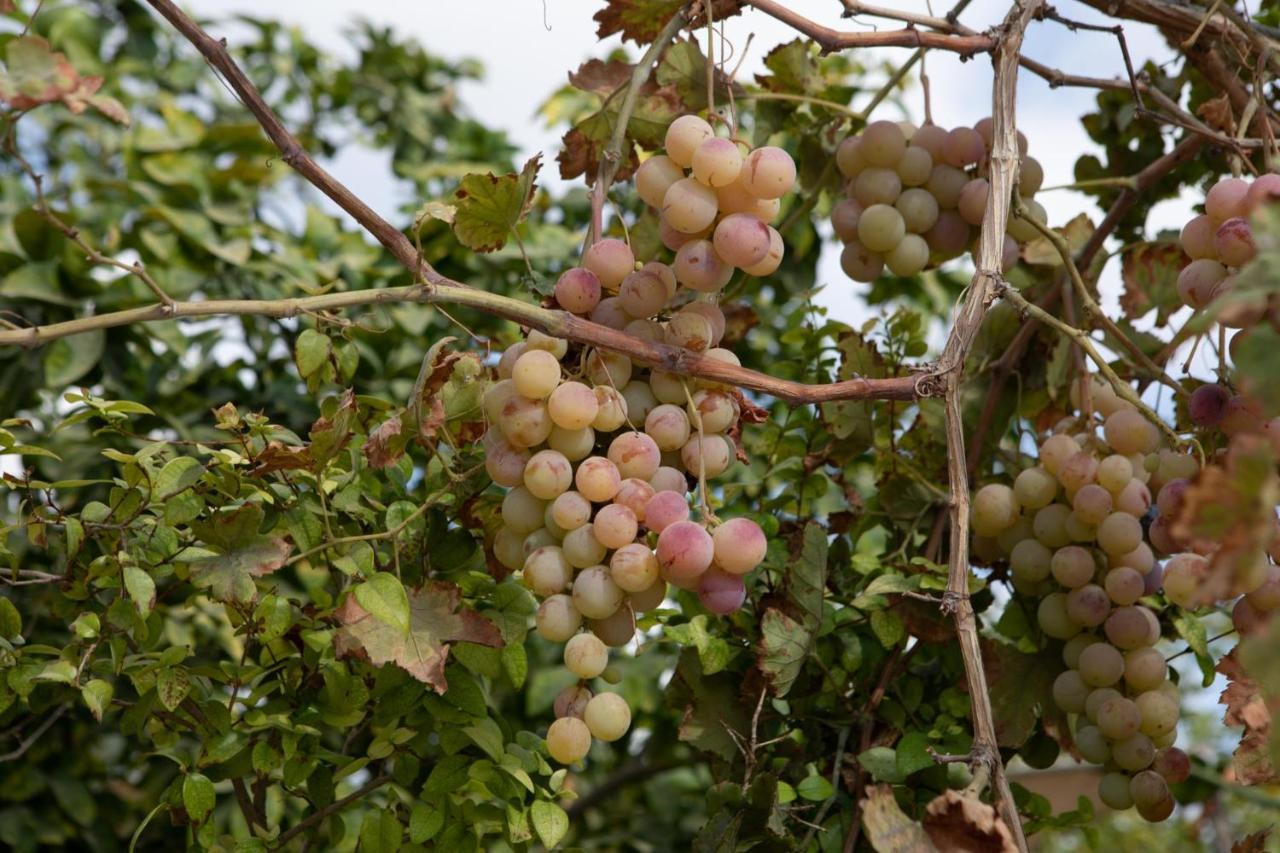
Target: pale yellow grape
1144	669
919	210
1030	177
572	406
1070	692
1093	745
536	374
689	206
883	143
522	511
772	259
909	257
1127	431
1014	533
710	457
571	510
713	315
769	172
539	340
1080	530
548	474
611	412
634	568
607	368
524	422
1092	503
1020	227
877	186
666	387
640	399
1073	648
645	330
508	547
582	548
607	716
915	166
615	525
1113	790
860	263
540	538
717	410
595	594
655	176
740	240
1050	525
1118	717
1053	619
635	454
575	444
1134	753
689	331
1115	472
1078	471
597	479
880	228
1029	561
1034	488
1119	533
684	135
1097	699
994	508
546	571
668	426
1101	665
509	357
725	356
557	619
1141	559
698	266
964	147
766	209
1056	450
568	739
717	162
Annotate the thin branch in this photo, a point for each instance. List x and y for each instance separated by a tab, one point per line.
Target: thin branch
31	739
336	806
829	39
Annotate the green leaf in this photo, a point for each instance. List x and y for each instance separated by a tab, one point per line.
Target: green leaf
386	600
913	754
1150	273
69	359
882	763
97	695
312	351
807	575
486	735
1191	629
176	476
424	822
172	686
488	207
851	419
815	788
197	796
141	588
380	832
10	620
549	821
34	281
888	628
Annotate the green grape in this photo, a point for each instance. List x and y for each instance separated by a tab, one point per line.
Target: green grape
880	228
1113	790
684	135
1072	648
909	257
1159	713
1035	488
1053	619
1101	665
1133	753
1050	525
994	509
1119	533
883	143
607	716
1029	561
1093	745
558	619
1070	692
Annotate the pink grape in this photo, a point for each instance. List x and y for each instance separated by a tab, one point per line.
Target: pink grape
1264	190
772	259
1208	405
964	147
698	266
1088	605
717	162
643	294
635	454
685	551
634	494
849	158
740	545
615	525
1226	199
972	202
668	479
1197	238
931	138
741	240
769	172
578	290
949	236
882	143
664	509
946	183
721	592
609	312
1233	242
860	263
1198	281
684	135
877	186
689	206
611	260
673	239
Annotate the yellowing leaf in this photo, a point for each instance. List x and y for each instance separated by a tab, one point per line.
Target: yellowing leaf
35	75
241	553
489	206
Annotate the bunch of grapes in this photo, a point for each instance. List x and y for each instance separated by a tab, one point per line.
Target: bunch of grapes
716	216
1071	531
916	195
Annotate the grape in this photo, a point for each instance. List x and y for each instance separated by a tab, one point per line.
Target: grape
883	143
578	290
964	147
668	479
769	172
1053	619
1034	488
712	314
919	210
931	138
607	716
689	331
1096	700
634	493
684	135
949	236
536	374
1242	415
1245	618
1233	242
1183	576
1124	585
508	547
1197	238
597	479
1113	790
1072	649
1072	566
643	293
706	455
1093	745
844	219
909	257
1079	530
1144	669
1159	713
575	444
1153	580
1009	254
522	511
570	511
607	368
860	263
508	360
1118	717
945	184
540	538
717	410
666	387
1226	199
673	239
1088	605
611	260
572	406
540	341
1198	281
1114	472
772	260
877	186
994	508
1078	471
546	571
849	159
1050	525
1119	533
697	266
582	548
1029	562
615	526
635	454
655	176
685	551
736	198
741	240
1172	764
1030	177
610	313
972	203
634	568
611	411
571	701
1267	596
1070	691
595	594
668	426
1101	665
915	166
1013	534
568	740
1133	753
548	474
650	598
739	545
1128	628
1056	450
1265	189
1092	503
524	422
558	619
717	162
1134	499
689	206
721	592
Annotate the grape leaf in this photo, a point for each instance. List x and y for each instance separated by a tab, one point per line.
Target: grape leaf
489	206
956	821
712	705
241	553
1150	274
435	620
784	643
1021	688
36	75
851	419
641	20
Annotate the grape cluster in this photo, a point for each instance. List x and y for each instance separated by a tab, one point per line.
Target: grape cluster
716	216
1071	531
914	197
1219	242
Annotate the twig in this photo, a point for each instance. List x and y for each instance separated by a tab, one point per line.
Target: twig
829	39
31	739
336	806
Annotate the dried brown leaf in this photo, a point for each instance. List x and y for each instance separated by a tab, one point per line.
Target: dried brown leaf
965	824
888	829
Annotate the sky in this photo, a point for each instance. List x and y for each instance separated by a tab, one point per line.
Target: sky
527	48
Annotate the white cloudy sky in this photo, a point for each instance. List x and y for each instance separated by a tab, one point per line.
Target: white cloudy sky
527	47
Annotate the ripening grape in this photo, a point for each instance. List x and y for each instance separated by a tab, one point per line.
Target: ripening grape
571	701
568	740
546	571
1096	700
1050	525
860	263
1199	280
689	331
918	208
607	716
1072	566
949	236
1092	503
1056	450
597	479
615	525
915	166
578	291
1233	242
716	410
581	547
741	240
689	206
1119	533
1114	472
1159	713
699	267
994	508
557	618
1030	177
877	186
1172	764
1088	605
685	550
536	374
1133	753
945	184
548	474
668	425
634	568
964	147
611	260
643	293
575	444
909	257
668	479
634	493
684	135
611	409
595	594
972	202
1029	561
635	455
717	162
1101	665
769	172
1226	199
1128	628
1070	692
666	508
739	545
1113	790
1053	618
650	598
524	422
772	259
1118	717
706	455
1093	745
883	143
610	313
1124	585
721	592
572	405
844	218
655	176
